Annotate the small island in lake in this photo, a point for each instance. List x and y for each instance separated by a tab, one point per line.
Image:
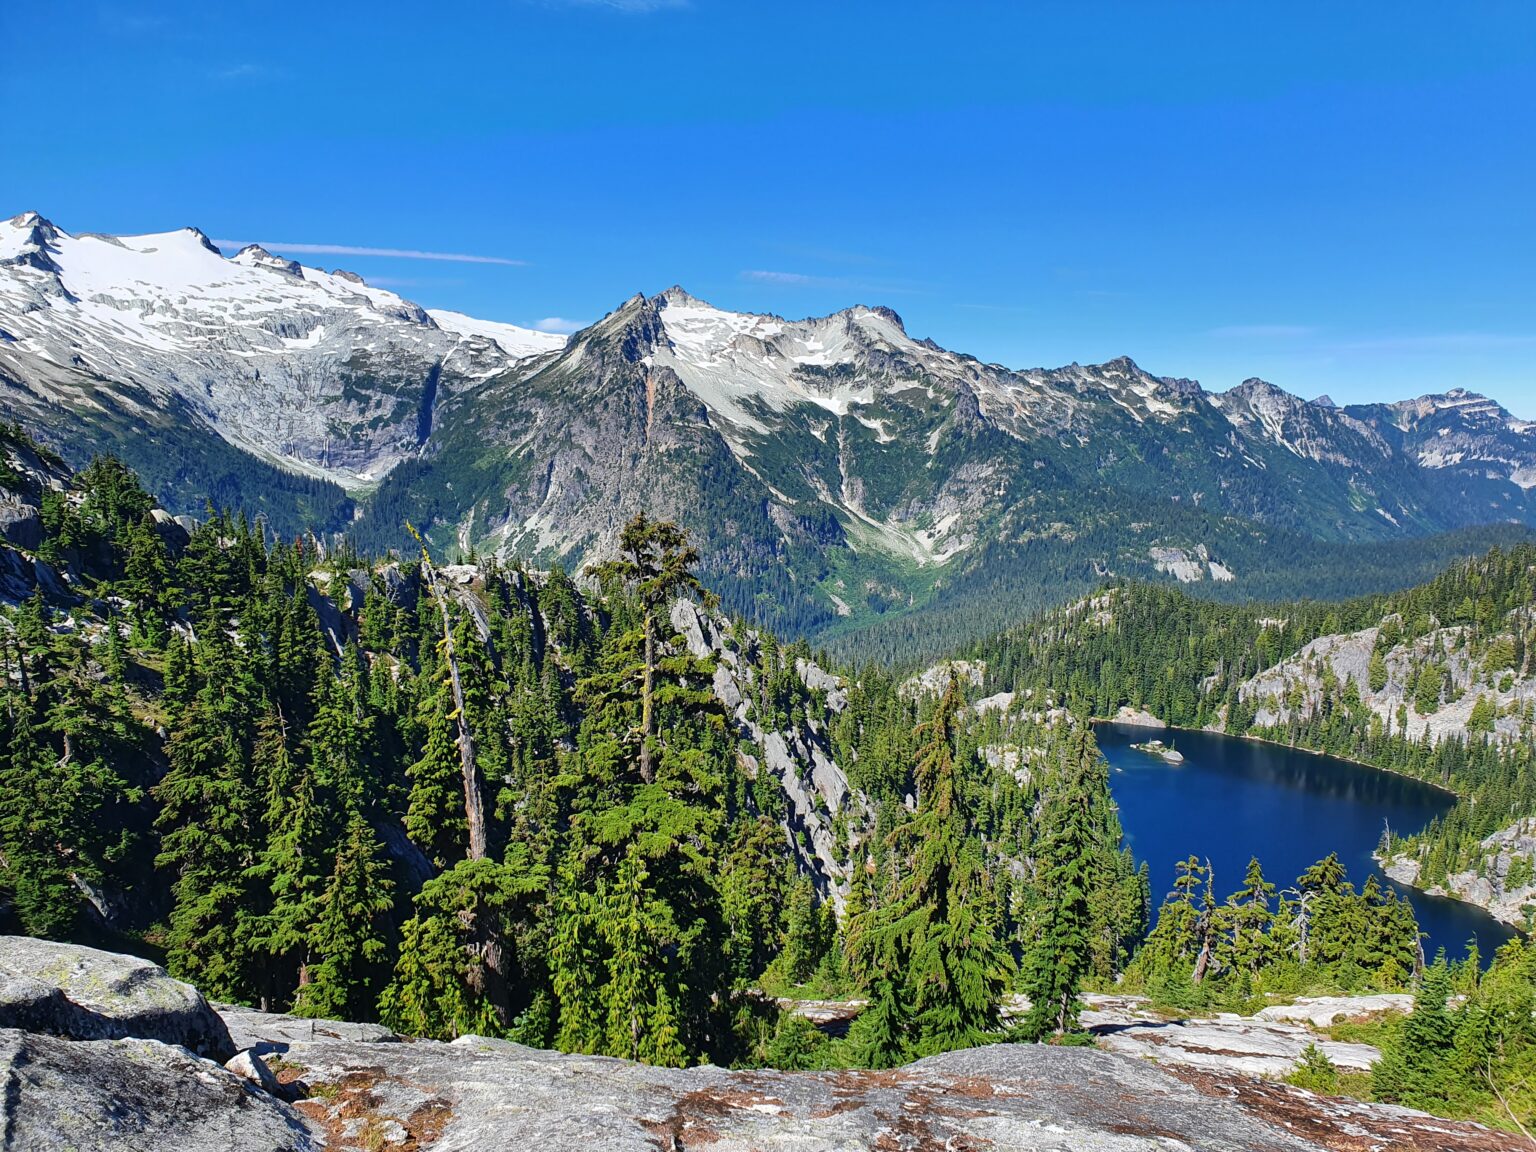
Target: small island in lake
1159	749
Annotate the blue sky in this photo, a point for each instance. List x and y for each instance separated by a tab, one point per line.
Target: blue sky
1338	198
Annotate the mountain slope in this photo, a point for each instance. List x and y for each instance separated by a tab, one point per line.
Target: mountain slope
845	477
315	372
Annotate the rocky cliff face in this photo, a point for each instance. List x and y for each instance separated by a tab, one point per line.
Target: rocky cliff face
797	755
1503	879
1474	676
300	1085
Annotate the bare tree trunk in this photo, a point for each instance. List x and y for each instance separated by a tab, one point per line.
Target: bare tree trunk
1207	925
647	770
1203	961
474	806
1304	929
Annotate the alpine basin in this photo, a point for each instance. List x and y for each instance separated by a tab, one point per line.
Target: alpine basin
1232	799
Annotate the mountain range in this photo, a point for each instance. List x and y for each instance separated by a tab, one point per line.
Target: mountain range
841	477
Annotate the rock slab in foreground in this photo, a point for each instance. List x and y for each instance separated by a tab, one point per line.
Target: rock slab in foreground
86	994
134	1096
479	1095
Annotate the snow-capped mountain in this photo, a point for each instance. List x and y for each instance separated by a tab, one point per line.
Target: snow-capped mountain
834	467
313	370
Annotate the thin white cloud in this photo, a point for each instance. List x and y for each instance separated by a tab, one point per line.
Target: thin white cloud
243	71
763	276
633	7
1264	331
805	280
558	324
355	250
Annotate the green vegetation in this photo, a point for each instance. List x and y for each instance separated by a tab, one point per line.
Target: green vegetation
1190	662
484	800
1319	934
492	801
1474	1058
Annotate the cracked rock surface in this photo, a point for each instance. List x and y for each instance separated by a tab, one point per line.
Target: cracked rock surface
478	1095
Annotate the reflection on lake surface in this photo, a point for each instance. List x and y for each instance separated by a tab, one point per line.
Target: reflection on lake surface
1232	799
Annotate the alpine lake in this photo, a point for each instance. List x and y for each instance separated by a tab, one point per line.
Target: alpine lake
1231	799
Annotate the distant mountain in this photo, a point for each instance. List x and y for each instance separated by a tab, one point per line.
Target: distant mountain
839	473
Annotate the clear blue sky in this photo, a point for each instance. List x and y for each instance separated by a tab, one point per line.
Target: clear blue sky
1337	197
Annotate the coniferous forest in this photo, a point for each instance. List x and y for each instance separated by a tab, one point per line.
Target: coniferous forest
587	811
470	798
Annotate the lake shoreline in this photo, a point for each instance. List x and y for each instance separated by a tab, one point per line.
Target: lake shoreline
1281	744
1223	765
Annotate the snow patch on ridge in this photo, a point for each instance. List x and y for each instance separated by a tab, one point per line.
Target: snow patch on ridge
290	363
514	341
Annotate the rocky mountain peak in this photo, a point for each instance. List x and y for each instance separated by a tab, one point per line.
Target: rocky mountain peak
677	294
27	241
885	313
35	223
1122	365
1257	385
634	327
255	256
202	238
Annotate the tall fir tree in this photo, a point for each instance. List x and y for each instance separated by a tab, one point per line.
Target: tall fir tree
351	935
1061	954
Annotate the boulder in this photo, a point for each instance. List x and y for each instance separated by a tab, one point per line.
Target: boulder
1137	718
135	1096
249	1066
20	524
1321	1011
175	535
85	994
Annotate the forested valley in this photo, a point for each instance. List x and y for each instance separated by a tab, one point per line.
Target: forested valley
586	811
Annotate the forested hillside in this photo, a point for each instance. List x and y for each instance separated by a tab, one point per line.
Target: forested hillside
1436	682
593	814
476	798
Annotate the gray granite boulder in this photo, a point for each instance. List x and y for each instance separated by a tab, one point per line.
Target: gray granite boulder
85	994
273	1032
135	1096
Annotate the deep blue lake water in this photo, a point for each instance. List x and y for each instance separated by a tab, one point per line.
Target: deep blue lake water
1232	799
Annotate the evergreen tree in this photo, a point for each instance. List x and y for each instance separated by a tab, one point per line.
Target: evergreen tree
1412	1069
657	561
1252	921
879	1036
291	866
941	941
434	819
208	833
1060	957
458	966
351	935
34	830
